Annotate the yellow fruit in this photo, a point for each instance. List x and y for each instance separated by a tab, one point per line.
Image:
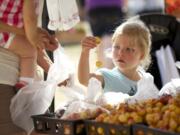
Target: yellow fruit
99	64
113	131
100	130
178	129
140	132
172	125
98	40
92	128
122	118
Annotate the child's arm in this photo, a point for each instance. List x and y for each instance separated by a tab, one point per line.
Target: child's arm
83	68
7	28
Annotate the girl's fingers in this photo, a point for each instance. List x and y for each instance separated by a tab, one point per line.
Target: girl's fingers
89	43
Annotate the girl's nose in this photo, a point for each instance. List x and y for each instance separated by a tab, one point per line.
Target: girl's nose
120	52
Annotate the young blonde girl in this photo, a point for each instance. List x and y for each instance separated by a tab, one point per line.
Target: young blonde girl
130	54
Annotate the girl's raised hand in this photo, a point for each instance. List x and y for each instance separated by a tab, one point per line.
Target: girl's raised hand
90	42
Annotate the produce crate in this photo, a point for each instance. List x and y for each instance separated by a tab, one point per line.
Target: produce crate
139	129
99	128
50	124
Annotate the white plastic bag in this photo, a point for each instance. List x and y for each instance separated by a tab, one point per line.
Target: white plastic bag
79	110
36	98
83	105
76	93
166	64
112	98
31	100
171	88
94	90
145	89
62	67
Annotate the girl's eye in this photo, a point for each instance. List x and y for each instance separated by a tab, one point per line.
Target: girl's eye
130	50
116	47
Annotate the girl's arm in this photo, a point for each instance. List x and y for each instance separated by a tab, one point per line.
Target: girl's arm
7	28
84	66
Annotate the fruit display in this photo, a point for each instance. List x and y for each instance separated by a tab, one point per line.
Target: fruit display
99	128
162	113
80	110
150	117
85	114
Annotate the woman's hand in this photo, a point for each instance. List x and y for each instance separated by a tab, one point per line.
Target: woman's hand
43	40
50	42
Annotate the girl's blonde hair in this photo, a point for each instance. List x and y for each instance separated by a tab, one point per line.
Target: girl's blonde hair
139	35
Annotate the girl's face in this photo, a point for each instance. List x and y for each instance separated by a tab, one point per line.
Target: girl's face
126	56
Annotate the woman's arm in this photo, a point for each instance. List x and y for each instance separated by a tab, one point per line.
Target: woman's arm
30	21
7	28
38	37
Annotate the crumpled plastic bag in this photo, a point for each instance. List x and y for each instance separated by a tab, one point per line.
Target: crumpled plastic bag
79	110
171	88
83	105
146	89
36	98
112	98
94	90
31	100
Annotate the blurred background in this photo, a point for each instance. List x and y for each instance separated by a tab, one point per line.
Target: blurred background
100	18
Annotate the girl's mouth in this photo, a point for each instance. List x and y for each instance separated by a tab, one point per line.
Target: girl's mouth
121	61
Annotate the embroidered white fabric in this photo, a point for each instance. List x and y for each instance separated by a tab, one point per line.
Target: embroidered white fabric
63	14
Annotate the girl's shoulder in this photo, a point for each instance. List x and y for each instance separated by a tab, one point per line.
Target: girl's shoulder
107	71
